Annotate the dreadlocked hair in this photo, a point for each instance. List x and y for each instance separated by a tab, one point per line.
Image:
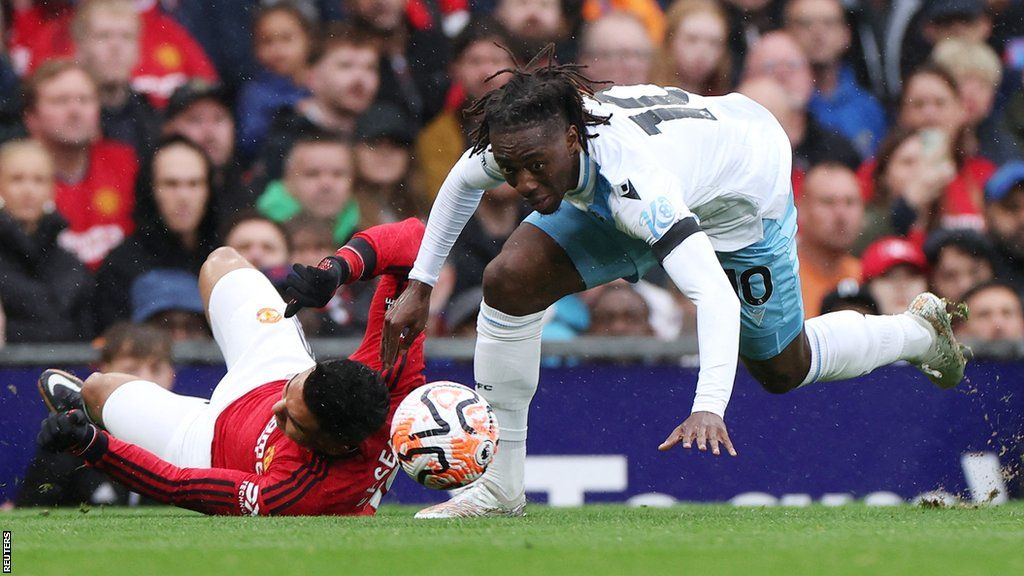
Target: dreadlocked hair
538	92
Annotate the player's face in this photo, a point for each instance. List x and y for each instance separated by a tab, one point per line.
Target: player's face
541	161
296	421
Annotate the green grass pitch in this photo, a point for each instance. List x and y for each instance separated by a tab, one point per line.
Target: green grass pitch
595	540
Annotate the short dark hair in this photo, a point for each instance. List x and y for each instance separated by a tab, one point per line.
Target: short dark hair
479	29
967	241
348	399
535	93
990	285
339	35
252	215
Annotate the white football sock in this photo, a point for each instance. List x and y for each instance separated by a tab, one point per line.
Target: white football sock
847	344
507	368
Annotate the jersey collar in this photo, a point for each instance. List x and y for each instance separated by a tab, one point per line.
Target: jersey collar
588	168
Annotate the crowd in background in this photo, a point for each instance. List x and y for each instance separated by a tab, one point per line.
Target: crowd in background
139	135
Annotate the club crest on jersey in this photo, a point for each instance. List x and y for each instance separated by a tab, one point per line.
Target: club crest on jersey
268	316
658	217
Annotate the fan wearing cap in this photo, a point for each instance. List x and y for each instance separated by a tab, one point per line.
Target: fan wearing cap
201	112
894	271
1004	215
169	300
383	152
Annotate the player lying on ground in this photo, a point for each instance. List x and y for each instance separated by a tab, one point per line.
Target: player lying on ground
621	181
281	434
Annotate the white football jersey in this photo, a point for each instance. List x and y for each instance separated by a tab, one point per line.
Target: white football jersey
667	153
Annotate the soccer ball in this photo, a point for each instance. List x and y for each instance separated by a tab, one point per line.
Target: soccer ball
444	435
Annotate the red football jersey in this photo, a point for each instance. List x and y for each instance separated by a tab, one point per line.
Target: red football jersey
256	469
168	55
99	207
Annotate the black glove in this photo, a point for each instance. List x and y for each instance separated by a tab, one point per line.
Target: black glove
314	286
66	432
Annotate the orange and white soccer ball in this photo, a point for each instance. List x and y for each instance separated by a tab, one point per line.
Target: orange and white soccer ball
444	435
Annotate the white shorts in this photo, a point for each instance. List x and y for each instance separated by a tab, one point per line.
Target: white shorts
259	346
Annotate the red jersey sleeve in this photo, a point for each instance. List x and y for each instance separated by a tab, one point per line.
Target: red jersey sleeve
389	251
292	487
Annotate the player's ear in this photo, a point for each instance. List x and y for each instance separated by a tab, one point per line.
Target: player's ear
572	138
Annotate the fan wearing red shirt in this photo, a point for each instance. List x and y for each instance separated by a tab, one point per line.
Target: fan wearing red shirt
281	434
168	55
95	188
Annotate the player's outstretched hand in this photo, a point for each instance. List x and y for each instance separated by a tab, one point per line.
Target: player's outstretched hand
314	286
66	432
704	428
404	321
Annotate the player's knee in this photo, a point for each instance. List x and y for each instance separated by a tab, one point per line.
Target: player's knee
222	258
504	287
95	391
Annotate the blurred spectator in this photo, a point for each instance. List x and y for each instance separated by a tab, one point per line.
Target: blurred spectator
283	38
46	291
176	229
169	56
1004	215
139	350
500	212
260	240
65	480
978	73
849	295
312	239
10	100
533	23
831	215
646	12
413	60
476	56
107	40
994	314
619	310
957	260
3	325
694	54
779	57
912	173
615	48
749	20
893	272
264	243
945	19
94	176
319	179
383	153
931	100
169	300
201	112
838	102
343	80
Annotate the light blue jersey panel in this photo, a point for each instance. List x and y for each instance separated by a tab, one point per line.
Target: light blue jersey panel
600	252
766	274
